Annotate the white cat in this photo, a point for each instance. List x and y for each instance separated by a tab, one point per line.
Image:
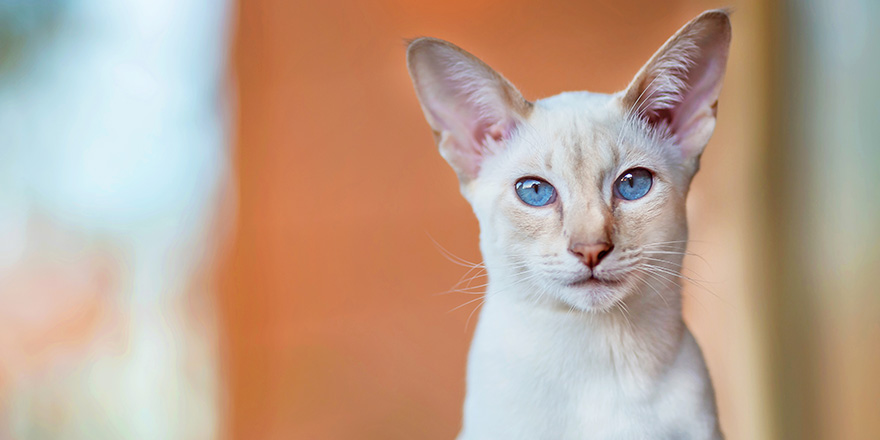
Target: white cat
581	204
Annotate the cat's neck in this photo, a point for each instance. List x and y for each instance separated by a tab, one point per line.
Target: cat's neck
638	337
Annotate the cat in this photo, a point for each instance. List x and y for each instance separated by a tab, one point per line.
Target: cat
580	199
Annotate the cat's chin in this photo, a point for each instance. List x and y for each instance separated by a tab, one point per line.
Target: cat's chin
594	295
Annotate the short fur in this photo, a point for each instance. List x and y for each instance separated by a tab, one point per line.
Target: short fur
563	349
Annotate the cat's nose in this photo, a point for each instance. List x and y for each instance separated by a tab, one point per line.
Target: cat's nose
591	254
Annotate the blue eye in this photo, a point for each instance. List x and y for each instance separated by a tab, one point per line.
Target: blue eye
633	184
535	192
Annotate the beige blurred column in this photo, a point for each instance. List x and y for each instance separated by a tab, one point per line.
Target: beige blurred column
824	214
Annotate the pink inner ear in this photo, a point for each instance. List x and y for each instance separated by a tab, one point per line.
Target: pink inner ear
471	106
496	132
471	120
468	134
681	92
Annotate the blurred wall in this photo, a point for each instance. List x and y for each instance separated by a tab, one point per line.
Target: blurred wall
336	321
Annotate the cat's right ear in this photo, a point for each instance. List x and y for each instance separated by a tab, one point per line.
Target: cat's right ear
472	109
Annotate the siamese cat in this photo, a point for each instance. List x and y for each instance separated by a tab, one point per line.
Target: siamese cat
580	199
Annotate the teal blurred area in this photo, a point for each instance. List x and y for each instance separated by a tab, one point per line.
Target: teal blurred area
114	157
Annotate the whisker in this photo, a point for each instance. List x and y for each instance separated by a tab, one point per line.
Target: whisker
468	289
481	273
659	277
455	287
450	256
697	283
676	266
663	279
677	242
625	313
676	273
662	261
665	242
466	323
641	272
465	303
687	254
473	290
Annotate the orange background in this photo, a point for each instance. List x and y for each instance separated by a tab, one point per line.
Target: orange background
333	326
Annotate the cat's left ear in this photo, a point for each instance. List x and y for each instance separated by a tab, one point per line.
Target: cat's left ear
677	90
471	108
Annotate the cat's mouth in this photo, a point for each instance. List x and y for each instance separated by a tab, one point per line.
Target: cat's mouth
592	281
595	293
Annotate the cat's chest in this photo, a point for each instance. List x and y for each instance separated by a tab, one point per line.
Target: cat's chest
528	379
562	357
562	373
514	400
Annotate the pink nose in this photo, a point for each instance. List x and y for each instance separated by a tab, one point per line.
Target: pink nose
591	254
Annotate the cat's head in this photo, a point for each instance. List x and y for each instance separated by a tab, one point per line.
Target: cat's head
581	196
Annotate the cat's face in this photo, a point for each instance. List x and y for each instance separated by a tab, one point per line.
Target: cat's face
580	197
610	202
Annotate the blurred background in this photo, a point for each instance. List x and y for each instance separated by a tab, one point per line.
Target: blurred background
224	220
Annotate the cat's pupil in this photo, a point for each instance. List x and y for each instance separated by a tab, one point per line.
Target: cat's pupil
535	192
633	184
